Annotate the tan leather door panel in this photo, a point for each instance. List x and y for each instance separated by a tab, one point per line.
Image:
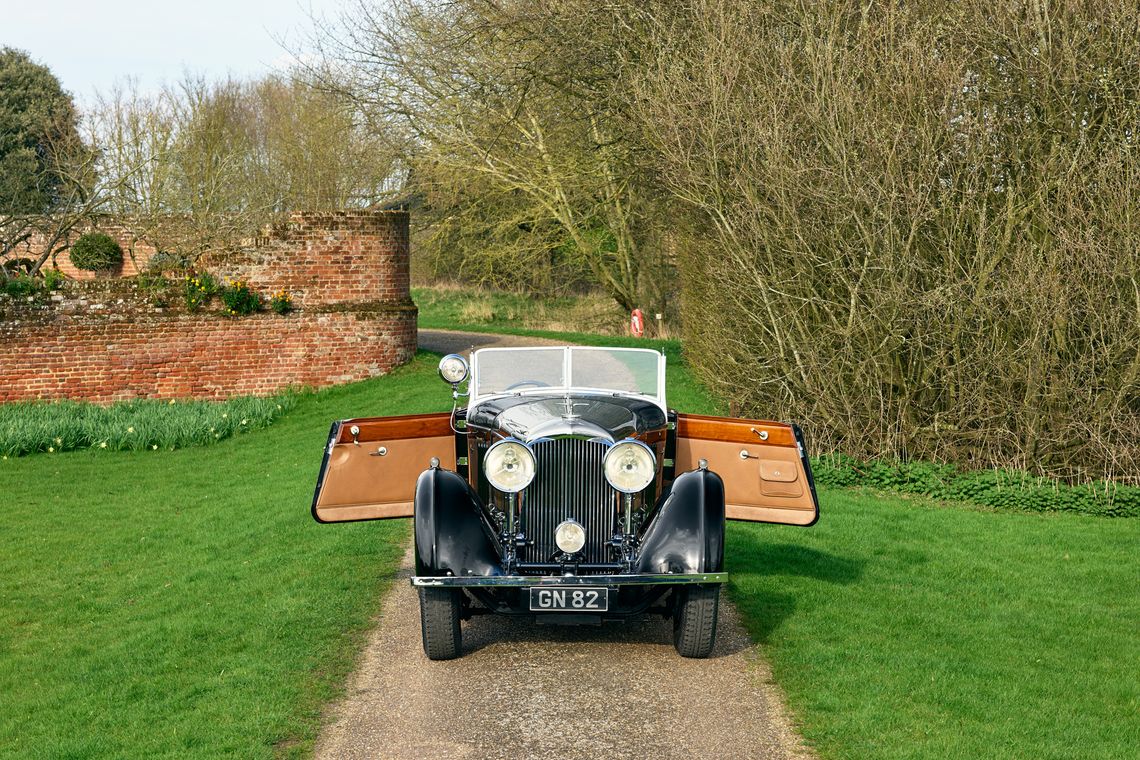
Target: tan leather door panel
372	475
761	464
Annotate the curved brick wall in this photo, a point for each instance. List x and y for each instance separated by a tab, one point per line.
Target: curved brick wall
102	341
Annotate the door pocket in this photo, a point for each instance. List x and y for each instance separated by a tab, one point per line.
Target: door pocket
780	479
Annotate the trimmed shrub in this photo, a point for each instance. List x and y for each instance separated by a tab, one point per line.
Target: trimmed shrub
96	252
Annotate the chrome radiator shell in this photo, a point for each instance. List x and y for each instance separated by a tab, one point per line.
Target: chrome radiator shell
569	483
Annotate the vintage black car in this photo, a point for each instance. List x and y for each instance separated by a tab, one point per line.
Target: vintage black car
565	490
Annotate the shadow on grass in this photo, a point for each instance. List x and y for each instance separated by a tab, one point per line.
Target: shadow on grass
760	558
753	567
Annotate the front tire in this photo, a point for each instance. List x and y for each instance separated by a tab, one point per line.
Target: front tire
439	622
694	620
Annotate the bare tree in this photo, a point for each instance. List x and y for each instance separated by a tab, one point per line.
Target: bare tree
220	161
520	99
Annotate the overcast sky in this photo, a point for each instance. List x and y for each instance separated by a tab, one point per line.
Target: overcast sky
92	44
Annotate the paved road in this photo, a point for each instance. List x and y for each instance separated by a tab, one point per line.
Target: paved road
456	342
523	691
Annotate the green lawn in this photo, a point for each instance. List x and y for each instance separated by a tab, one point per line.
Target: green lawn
184	603
903	629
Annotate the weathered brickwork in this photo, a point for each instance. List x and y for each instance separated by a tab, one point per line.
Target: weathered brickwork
103	342
136	250
328	258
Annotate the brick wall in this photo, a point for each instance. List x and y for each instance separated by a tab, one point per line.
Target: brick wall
136	250
104	341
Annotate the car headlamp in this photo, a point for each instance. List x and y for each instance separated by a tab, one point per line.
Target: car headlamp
509	465
453	369
629	466
570	536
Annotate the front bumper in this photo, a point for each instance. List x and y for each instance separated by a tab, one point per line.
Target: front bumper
632	579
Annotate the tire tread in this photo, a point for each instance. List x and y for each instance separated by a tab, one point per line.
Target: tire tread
694	620
439	623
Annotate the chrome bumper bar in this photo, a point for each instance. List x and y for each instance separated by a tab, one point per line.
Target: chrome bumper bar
642	579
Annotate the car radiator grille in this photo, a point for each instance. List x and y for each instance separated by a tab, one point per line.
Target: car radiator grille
568	483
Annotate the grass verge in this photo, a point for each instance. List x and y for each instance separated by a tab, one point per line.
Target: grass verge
185	604
899	628
143	425
443	307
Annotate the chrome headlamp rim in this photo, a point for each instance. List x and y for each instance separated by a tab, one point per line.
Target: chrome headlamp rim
515	442
618	446
570	544
449	376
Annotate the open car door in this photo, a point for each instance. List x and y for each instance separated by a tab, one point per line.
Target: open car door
764	466
370	466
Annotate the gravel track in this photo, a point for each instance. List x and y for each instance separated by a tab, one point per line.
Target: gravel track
527	691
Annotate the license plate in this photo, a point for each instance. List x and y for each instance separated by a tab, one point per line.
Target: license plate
568	600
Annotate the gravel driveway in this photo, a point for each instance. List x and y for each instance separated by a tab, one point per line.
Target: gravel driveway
523	691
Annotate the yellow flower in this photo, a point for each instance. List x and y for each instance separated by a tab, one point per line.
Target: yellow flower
245	422
58	441
51	449
225	415
154	447
130	430
103	445
172	402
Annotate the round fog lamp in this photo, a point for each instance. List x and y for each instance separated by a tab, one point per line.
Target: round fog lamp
629	466
570	536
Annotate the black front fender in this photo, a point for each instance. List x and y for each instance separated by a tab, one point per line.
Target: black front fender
687	531
452	534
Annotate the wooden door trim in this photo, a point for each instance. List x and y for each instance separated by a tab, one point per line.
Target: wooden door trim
403	426
733	430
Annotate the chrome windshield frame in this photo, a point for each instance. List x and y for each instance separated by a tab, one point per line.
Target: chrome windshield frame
476	398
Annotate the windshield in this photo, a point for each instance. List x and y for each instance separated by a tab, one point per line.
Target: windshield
522	370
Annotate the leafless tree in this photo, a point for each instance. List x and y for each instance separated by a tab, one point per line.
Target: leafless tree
518	99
